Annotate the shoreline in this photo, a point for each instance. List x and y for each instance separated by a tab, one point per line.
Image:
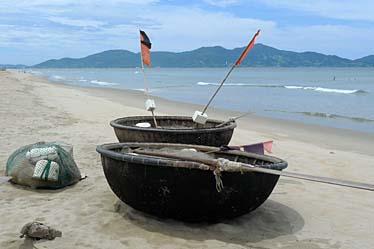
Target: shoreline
340	138
298	214
335	116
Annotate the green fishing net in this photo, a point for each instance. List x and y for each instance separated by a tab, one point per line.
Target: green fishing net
23	168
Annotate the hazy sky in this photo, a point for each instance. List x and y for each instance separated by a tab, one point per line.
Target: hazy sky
32	31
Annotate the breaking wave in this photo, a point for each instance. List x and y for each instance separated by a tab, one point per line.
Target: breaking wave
201	83
142	90
103	83
82	79
290	87
36	72
327	115
328	90
57	77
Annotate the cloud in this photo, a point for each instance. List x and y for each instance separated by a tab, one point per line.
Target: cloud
76	22
41	30
44	3
338	40
222	3
191	28
338	9
54	7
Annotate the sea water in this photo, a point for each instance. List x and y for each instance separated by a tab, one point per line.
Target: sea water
337	97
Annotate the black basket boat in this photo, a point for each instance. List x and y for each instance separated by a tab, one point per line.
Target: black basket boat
186	189
173	129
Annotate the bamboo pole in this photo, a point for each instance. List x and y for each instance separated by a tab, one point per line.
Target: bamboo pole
321	179
241	57
147	87
220	86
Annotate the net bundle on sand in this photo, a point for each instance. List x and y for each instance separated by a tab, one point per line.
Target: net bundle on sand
43	165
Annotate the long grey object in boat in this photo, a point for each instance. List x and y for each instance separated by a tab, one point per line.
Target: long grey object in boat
327	180
322	179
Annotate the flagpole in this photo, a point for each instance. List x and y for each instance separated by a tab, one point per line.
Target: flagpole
245	51
144	76
220	86
146	86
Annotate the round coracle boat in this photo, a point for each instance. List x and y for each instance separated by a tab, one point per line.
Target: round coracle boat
173	129
188	182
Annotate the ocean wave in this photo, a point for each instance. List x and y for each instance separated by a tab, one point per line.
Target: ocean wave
328	90
103	83
36	72
142	90
201	83
327	115
82	79
57	77
290	87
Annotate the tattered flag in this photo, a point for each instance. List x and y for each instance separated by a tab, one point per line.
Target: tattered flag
249	46
145	45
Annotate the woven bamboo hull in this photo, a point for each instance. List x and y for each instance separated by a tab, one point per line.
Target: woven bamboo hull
185	133
187	194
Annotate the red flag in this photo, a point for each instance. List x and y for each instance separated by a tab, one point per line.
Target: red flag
145	46
249	46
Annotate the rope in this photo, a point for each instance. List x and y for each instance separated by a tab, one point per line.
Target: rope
219	182
224	165
45	172
227	165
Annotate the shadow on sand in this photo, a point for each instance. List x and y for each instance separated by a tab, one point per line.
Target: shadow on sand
42	190
270	220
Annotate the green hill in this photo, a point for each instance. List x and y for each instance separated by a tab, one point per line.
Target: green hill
366	61
259	56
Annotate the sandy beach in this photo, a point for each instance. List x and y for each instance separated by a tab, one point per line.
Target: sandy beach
298	214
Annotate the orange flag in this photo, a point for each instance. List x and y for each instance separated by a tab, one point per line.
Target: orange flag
145	46
249	46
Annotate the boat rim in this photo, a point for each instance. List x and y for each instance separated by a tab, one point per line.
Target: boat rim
106	150
230	125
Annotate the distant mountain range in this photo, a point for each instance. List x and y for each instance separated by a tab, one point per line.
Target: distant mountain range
260	56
